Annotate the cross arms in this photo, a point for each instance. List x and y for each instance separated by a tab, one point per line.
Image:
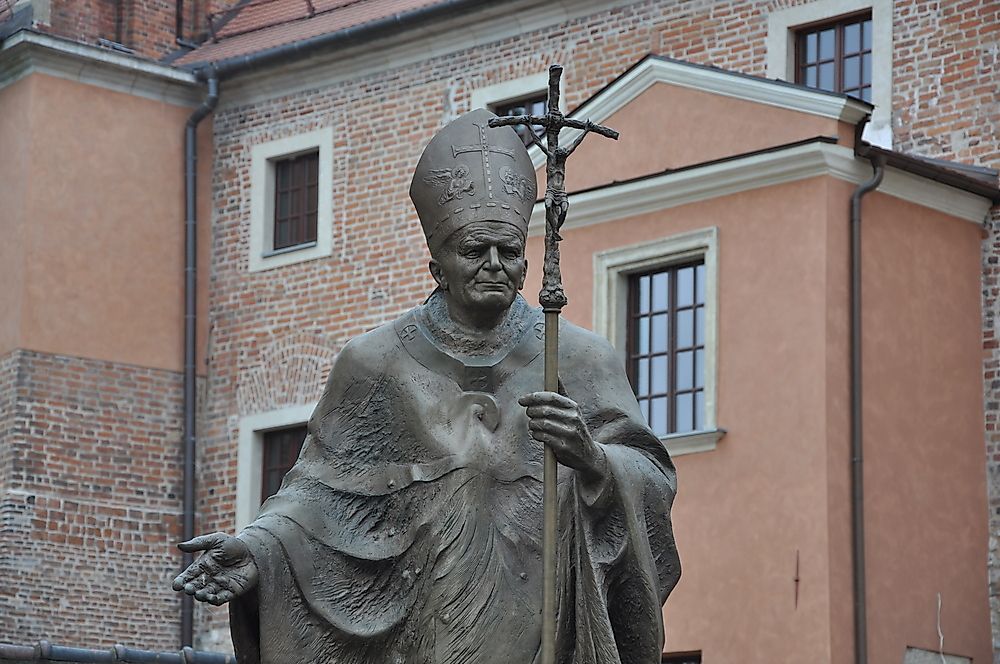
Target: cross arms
560	121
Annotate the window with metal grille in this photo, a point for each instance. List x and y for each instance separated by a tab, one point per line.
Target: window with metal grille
666	346
682	658
837	56
531	105
296	200
281	449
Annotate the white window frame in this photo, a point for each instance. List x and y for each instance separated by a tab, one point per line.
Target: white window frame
250	455
781	27
612	269
262	186
505	91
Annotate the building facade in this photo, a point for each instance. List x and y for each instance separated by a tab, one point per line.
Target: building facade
722	176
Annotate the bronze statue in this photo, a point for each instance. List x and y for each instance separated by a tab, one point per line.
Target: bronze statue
409	531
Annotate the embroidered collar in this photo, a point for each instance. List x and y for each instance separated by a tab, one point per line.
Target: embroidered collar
515	342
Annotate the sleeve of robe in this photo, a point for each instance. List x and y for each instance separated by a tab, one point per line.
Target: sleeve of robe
617	561
334	520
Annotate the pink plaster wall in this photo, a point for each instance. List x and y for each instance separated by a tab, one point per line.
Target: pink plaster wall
746	508
15	130
926	516
103	223
778	482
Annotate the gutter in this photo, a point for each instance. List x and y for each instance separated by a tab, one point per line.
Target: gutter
979	181
357	34
878	160
190	333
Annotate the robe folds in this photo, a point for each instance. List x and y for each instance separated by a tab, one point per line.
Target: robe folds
409	530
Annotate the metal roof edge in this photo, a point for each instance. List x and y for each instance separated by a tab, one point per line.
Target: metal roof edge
938	170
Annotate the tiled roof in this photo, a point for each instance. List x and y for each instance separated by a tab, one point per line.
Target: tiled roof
258	25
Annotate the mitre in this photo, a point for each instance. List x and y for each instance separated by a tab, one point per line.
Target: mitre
471	172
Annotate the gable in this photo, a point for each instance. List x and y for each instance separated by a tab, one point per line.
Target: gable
671	115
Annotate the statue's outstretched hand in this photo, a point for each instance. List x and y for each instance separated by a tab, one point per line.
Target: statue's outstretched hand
226	569
555	421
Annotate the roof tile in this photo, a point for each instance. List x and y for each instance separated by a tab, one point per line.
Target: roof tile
263	24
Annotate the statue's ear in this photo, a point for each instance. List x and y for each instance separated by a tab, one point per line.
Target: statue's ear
438	274
524	273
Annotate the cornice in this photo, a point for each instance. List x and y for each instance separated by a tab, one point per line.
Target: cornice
28	52
654	70
754	171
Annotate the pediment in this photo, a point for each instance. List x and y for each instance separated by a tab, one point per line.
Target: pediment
674	114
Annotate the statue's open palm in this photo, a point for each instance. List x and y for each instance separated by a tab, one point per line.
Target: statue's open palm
226	569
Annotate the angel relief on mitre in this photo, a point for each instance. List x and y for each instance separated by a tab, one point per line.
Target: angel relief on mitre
455	181
516	184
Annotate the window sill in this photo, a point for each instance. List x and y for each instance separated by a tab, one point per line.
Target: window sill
288	250
691	442
300	253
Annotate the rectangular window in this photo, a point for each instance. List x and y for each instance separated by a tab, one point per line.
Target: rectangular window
682	658
296	200
837	56
534	104
666	346
281	450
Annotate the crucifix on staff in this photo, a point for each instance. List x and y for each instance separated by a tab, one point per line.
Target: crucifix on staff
552	297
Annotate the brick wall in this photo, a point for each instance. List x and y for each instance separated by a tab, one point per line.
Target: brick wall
89	501
84	20
991	377
146	26
946	67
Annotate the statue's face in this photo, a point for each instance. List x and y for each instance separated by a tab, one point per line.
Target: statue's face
481	266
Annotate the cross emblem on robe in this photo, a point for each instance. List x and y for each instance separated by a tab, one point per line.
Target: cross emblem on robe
484	148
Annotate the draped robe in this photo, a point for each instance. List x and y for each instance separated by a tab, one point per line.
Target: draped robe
409	530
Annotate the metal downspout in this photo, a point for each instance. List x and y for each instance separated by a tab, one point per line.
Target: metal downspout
179	20
857	459
190	331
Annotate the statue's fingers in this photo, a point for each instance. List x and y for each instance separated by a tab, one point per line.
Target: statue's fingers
196	584
193	571
206	591
552	428
556	443
552	412
221	598
230	583
203	542
546	399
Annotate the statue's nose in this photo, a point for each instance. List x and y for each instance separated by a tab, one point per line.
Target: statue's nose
493	260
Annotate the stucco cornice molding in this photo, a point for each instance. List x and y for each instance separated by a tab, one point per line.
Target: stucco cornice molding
493	23
707	79
754	171
28	52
